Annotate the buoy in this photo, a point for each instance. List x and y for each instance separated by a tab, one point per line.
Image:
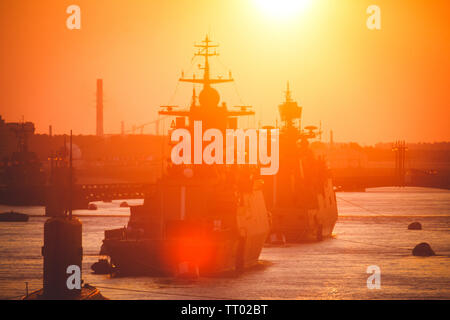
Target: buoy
102	266
13	217
423	250
124	204
187	270
277	238
415	226
92	206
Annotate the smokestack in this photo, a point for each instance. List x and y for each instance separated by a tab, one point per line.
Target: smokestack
123	128
50	131
100	107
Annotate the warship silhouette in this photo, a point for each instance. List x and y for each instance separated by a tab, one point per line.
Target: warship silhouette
198	219
300	196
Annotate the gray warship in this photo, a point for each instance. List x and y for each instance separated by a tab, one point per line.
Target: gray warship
300	197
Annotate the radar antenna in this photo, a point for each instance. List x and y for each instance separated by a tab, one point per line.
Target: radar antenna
204	51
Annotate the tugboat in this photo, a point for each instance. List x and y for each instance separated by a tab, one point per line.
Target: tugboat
199	219
300	196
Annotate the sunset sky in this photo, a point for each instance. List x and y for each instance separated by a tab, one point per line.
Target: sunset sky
366	85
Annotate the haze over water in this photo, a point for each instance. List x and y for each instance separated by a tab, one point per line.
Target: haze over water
371	230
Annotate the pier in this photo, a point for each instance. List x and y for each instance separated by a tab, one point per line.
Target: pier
83	194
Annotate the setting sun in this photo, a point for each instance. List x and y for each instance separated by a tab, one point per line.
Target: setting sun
282	8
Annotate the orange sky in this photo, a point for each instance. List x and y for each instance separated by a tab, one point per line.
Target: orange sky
368	86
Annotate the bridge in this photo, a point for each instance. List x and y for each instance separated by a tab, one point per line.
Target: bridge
361	179
57	198
115	191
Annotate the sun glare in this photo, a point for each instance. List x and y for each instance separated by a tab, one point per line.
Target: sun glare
282	9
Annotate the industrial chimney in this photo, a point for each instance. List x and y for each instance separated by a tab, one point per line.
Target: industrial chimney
100	107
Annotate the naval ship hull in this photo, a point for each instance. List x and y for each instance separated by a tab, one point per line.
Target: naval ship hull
299	224
202	250
153	257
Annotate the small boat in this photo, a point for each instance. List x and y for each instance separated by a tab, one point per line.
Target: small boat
102	266
13	217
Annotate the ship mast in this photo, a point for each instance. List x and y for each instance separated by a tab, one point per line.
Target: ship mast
208	97
289	110
204	51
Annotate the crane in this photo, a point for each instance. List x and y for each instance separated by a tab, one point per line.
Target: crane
141	127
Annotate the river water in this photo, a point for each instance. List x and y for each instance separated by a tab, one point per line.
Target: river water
371	230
